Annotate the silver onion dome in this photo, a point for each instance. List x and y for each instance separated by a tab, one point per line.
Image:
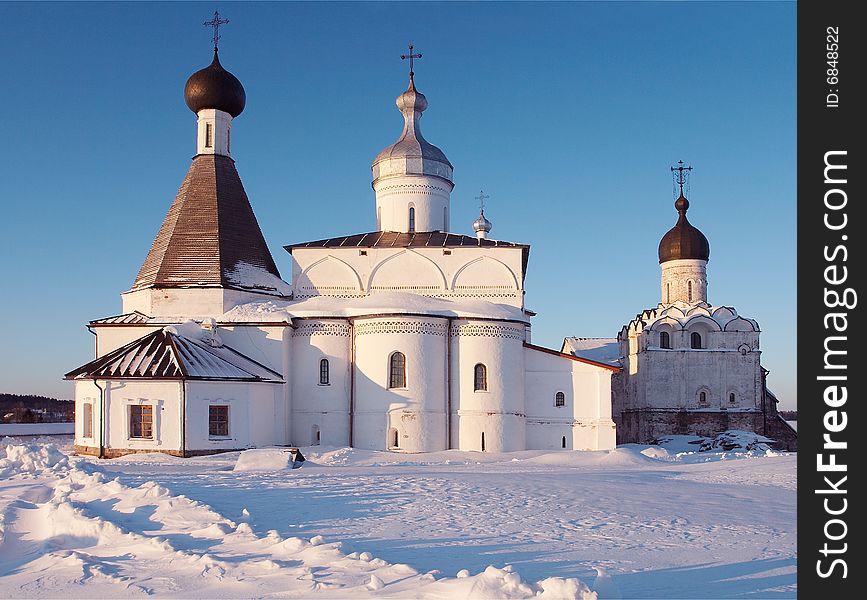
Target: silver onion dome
411	154
482	224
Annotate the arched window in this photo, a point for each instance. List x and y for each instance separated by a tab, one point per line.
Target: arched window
393	438
445	218
397	371
702	397
667	293
559	399
563	442
483	441
689	291
411	218
480	377
209	135
695	339
664	340
323	372
732	398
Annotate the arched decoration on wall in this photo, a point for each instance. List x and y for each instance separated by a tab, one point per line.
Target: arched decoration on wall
673	312
324	372
480	378
732	397
698	310
703	396
724	313
328	276
740	324
397	370
702	323
407	271
560	399
485	274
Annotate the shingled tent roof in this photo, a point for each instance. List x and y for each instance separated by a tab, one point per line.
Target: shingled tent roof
210	236
164	354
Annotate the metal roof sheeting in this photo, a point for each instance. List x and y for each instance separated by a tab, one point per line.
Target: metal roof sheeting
164	354
133	318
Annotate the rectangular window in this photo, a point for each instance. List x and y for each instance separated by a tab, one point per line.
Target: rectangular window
218	421
87	420
141	421
209	135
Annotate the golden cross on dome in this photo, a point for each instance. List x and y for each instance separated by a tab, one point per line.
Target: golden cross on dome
215	23
410	56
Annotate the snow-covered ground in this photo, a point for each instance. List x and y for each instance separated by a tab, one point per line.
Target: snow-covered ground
636	522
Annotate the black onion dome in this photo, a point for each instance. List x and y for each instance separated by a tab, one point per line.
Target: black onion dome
214	87
683	241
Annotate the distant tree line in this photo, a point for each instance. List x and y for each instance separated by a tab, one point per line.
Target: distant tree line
789	415
15	408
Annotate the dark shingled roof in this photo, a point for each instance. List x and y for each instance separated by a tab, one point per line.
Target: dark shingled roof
133	318
209	230
397	239
163	354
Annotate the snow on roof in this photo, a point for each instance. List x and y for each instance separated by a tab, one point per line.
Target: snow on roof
603	350
168	353
252	277
383	303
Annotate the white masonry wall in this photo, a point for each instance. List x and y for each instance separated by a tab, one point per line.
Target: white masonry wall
488	273
585	420
498	413
254	414
316	408
418	411
428	195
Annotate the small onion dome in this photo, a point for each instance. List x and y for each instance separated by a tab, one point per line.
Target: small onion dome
411	154
214	87
683	241
482	224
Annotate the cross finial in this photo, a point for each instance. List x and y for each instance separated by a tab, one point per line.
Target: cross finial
682	174
215	23
410	56
481	198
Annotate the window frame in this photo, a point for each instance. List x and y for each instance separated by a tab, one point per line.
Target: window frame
665	342
558	403
211	422
140	426
480	386
324	371
392	383
209	135
411	224
87	420
693	336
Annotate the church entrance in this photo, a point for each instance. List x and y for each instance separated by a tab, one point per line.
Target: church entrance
316	436
393	438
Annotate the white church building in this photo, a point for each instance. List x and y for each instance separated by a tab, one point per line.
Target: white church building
406	338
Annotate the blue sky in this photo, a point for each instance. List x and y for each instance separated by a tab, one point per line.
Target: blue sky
568	114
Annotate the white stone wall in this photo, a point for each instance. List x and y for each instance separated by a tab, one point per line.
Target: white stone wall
187	302
112	337
221	131
498	413
585	420
418	411
254	414
493	274
318	408
684	280
428	195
